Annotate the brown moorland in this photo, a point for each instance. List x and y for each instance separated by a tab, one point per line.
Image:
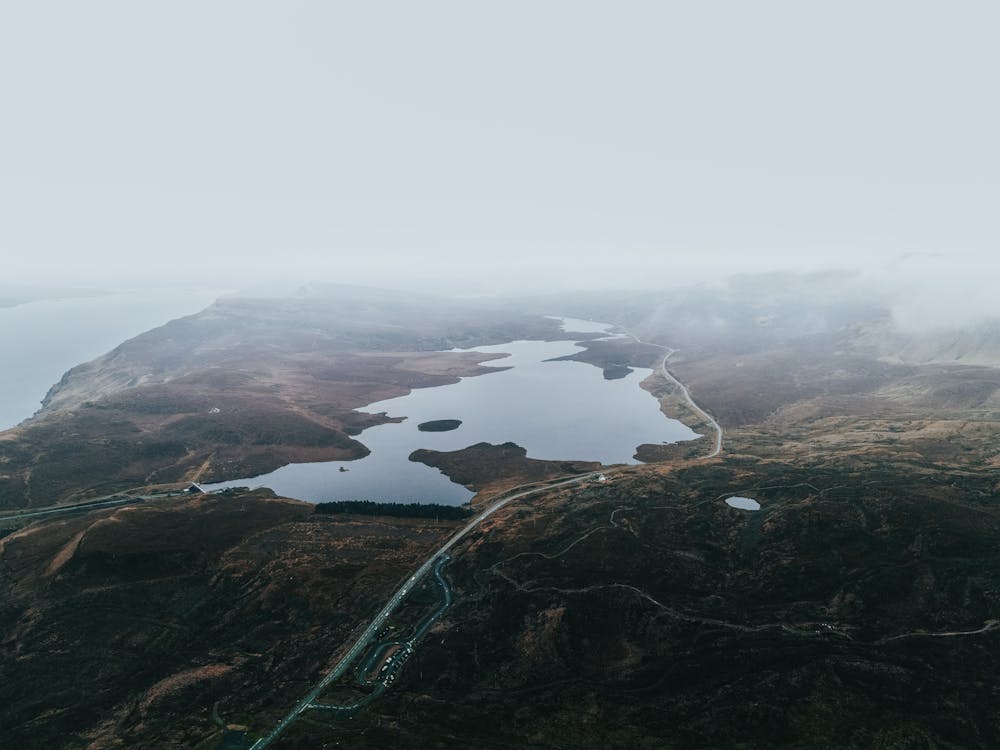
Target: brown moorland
859	608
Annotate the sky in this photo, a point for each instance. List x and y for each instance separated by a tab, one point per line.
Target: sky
517	144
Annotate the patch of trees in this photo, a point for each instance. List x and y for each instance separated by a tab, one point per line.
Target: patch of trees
398	510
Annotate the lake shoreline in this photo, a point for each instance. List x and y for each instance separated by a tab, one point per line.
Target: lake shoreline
539	397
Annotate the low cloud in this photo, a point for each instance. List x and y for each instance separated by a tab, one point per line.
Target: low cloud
934	293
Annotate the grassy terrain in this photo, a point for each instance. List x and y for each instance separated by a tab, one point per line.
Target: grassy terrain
859	608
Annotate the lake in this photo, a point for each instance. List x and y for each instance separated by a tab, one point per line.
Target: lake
41	340
555	410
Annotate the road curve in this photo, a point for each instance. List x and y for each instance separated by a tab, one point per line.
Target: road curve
376	624
518	492
717	449
125	497
697	409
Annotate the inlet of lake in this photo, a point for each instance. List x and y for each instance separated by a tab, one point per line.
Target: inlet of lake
557	410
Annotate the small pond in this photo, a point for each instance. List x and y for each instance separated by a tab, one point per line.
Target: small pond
743	503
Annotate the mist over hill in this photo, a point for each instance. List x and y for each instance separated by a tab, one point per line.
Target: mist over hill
869	444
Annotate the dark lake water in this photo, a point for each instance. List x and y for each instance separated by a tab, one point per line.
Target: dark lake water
556	410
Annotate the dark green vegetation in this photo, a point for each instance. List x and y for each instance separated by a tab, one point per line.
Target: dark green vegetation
617	358
859	608
117	442
395	510
440	425
242	388
486	465
381	663
124	627
616	372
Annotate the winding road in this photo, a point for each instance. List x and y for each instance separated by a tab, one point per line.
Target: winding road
434	561
697	409
125	497
379	620
515	493
717	449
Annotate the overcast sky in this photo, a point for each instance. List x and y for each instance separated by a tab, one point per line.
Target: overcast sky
544	142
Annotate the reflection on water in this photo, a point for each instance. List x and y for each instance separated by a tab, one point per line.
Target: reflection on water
555	410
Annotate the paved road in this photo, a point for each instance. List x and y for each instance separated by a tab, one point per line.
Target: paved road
379	620
376	624
68	508
717	449
698	410
107	501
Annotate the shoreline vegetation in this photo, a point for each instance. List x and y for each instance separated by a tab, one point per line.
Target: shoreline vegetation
397	510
